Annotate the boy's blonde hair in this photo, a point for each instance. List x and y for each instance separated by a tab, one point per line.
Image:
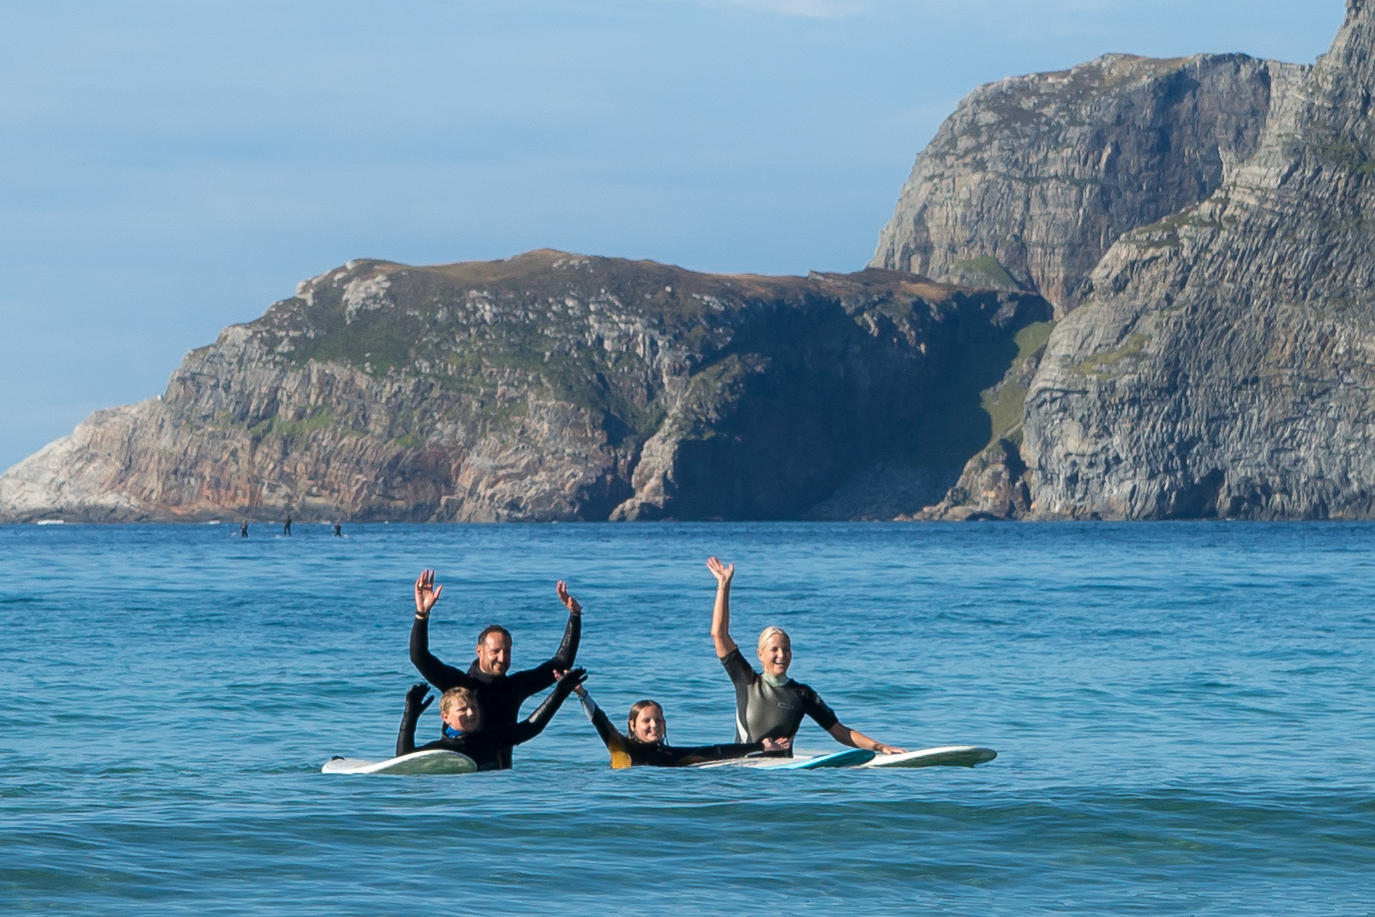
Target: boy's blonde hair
454	696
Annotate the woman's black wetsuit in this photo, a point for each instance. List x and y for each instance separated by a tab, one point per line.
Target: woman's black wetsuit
628	752
486	746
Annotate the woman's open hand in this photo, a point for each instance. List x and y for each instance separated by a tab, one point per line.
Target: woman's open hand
723	573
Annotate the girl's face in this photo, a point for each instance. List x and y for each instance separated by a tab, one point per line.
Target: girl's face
649	725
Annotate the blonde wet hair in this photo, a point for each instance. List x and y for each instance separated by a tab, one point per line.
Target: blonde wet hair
452	697
768	632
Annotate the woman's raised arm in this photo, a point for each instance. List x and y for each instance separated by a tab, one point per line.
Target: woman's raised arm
720	614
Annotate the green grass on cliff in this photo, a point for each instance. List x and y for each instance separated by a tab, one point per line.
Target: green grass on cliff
1005	402
989	267
280	428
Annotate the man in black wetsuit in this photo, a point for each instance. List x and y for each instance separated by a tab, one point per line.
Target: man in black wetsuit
499	695
465	730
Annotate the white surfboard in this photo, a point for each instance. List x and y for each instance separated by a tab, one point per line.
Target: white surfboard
434	761
944	756
849	757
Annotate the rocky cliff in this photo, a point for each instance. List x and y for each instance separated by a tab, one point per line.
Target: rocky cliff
553	387
1032	178
1223	361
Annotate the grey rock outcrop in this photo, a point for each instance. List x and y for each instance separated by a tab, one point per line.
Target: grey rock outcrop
1033	178
548	387
1224	361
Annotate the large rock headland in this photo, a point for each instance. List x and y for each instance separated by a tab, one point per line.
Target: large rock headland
552	386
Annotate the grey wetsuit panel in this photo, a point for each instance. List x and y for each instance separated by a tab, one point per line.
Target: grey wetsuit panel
763	711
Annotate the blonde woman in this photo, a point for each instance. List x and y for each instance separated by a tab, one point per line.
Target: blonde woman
770	705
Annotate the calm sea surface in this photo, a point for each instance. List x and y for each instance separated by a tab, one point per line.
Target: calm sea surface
1183	715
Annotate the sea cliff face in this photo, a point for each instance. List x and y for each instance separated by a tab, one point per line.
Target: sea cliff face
1223	361
549	387
1032	178
1200	228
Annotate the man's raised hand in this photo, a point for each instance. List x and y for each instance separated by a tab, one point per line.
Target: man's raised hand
567	599
719	570
426	593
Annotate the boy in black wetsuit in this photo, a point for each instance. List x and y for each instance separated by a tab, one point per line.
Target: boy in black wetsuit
499	695
464	730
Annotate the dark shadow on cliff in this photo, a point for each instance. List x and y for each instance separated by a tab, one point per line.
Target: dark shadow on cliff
842	427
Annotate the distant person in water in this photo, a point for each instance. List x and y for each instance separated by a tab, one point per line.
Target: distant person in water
286	527
243	529
499	695
645	744
337	532
465	730
772	705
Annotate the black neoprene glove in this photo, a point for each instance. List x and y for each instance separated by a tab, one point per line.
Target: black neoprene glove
417	694
570	680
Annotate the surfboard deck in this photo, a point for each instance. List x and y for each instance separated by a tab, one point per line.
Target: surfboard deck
943	756
434	761
849	757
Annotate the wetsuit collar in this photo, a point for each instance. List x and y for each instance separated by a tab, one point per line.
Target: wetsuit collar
776	681
475	671
451	733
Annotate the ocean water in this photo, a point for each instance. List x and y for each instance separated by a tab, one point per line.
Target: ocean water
1183	715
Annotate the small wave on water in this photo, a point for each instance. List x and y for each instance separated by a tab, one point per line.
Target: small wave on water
1182	715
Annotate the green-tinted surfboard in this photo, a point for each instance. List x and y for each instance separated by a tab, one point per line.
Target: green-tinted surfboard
435	761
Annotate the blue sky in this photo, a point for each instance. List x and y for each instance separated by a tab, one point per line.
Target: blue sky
169	168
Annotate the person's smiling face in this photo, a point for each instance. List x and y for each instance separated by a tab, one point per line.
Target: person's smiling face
776	655
649	726
494	654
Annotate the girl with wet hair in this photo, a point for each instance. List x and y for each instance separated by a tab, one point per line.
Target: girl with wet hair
646	744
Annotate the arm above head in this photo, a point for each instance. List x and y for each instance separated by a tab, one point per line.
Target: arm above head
572	634
430	668
856	739
416	704
532	681
720	613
